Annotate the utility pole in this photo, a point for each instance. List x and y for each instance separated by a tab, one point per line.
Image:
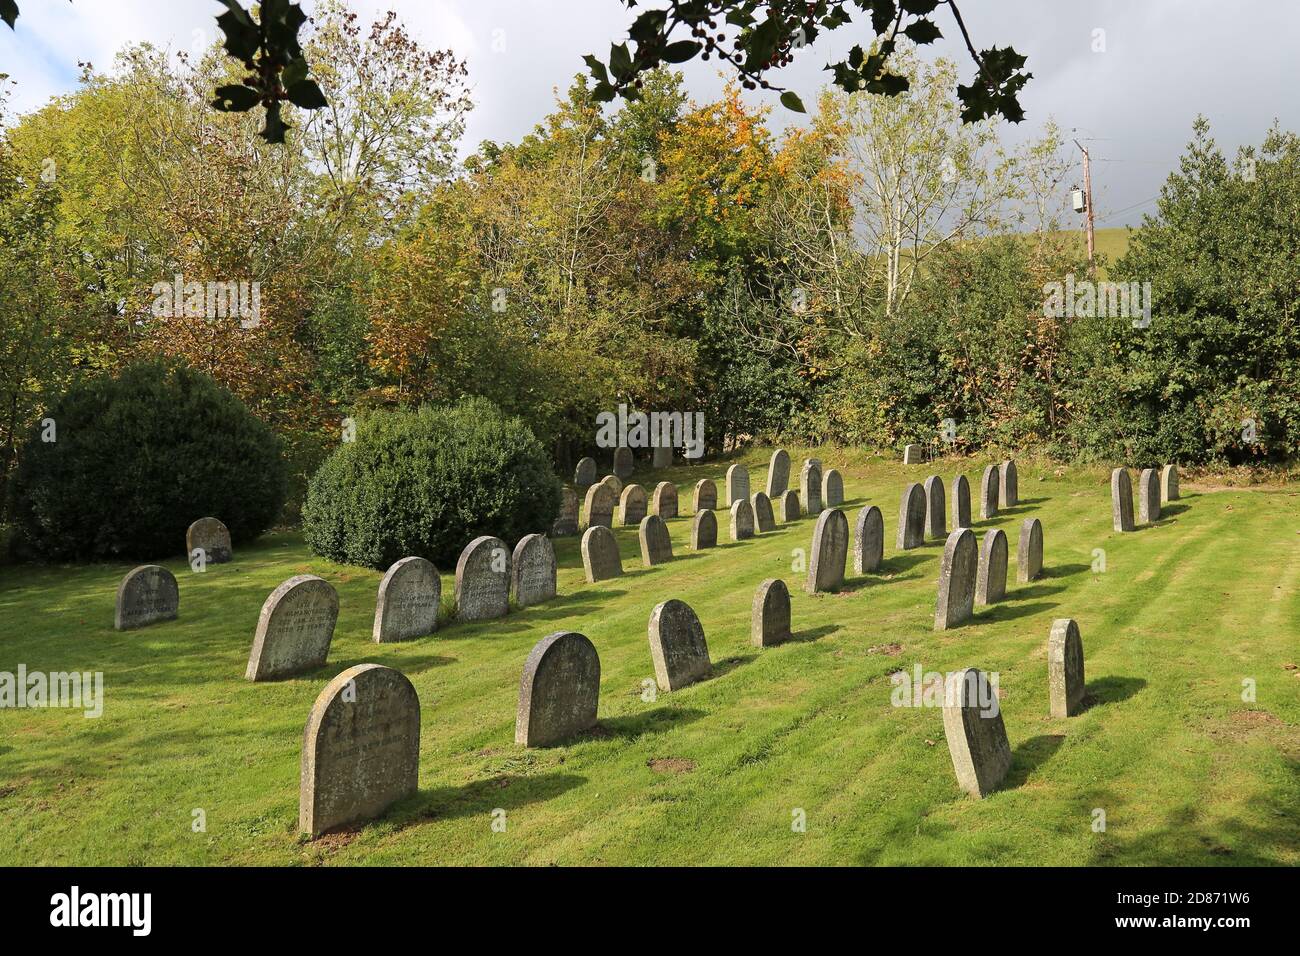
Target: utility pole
1087	193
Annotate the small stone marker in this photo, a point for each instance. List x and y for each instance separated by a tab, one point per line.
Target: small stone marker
1169	482
778	474
615	485
1121	500
911	519
146	595
661	456
977	738
830	552
1065	668
566	523
1029	553
212	536
789	503
665	500
409	596
810	488
770	618
677	645
532	570
868	540
1149	496
764	518
960	502
737	484
704	531
832	489
957	576
991	584
598	510
585	474
1008	485
559	690
912	454
600	557
706	495
632	506
483	580
656	545
294	629
361	750
936	508
623	463
742	521
989	492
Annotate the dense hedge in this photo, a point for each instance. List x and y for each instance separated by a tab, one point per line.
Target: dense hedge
135	459
427	483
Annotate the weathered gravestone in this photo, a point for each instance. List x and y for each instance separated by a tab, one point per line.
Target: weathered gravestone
677	645
830	552
737	484
832	489
912	455
1029	553
957	575
632	506
991	583
977	738
665	500
656	545
789	503
742	521
559	690
146	594
936	508
615	485
764	518
704	530
294	629
409	596
1008	485
1169	482
1065	668
623	463
1149	496
706	495
989	492
585	473
770	616
483	580
210	536
778	474
810	488
868	540
361	749
960	488
661	456
1121	500
598	510
532	570
600	557
911	519
566	522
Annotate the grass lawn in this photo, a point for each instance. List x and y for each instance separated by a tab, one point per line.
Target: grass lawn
1186	772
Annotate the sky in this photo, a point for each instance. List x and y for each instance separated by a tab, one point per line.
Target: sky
1129	92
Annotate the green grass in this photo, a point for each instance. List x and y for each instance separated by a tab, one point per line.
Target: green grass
1186	772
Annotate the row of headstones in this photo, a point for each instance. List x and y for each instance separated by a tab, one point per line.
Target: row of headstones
1152	487
584	473
922	509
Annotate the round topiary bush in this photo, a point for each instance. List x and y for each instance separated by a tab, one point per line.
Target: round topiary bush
138	456
426	483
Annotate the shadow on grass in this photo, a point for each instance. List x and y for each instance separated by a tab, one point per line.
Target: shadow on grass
1064	570
728	664
1029	756
812	633
481	797
1112	690
901	562
1168	511
648	722
1011	612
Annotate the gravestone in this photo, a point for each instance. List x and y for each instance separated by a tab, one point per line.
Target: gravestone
656	545
212	536
585	474
869	540
661	456
737	484
623	463
742	521
1008	485
600	558
294	629
1169	482
483	580
410	593
912	454
704	531
764	518
677	645
1121	500
991	584
632	506
977	738
960	503
1149	496
615	485
957	575
566	523
832	489
532	570
361	749
911	519
706	495
770	616
810	488
789	503
1029	553
989	492
147	594
830	552
559	690
598	510
936	508
665	500
778	474
1065	668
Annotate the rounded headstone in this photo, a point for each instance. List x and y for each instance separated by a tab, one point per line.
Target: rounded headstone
832	489
656	545
830	552
868	540
977	738
566	522
737	484
1065	668
1008	485
1121	500
661	457
559	690
665	500
991	583
770	615
789	503
483	580
706	495
532	570
764	519
1169	482
623	463
810	488
704	530
409	596
936	519
146	594
585	473
960	488
1149	496
957	575
778	474
677	645
210	536
911	518
742	521
632	506
1029	554
598	510
989	492
615	485
294	629
911	454
600	558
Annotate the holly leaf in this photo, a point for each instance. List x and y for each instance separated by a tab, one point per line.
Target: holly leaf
9	12
235	98
681	51
273	131
306	95
922	31
790	100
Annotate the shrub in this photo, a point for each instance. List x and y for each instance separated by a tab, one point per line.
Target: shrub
427	483
135	459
